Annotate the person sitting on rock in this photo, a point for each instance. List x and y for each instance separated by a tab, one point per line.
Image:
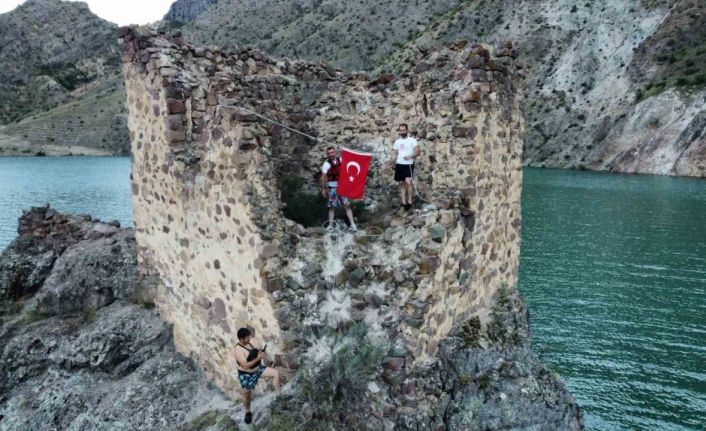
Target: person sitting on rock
329	183
405	150
251	368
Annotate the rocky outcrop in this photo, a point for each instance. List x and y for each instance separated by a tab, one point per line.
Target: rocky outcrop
363	314
183	11
24	267
492	379
90	276
86	363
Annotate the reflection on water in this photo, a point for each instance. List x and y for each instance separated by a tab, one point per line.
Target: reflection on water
613	268
91	185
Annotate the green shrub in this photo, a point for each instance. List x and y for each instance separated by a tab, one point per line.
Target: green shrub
325	394
306	208
681	82
209	420
68	75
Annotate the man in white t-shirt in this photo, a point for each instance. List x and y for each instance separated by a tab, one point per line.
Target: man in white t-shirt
329	183
405	150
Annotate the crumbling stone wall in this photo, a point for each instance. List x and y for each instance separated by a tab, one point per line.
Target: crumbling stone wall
208	213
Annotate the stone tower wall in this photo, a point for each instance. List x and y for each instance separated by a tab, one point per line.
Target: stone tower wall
208	212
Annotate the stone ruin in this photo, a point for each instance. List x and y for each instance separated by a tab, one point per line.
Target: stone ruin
208	213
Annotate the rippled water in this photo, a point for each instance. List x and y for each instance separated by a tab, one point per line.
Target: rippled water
613	268
91	185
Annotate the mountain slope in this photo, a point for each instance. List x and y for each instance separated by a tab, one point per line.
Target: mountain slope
350	35
56	60
613	85
182	11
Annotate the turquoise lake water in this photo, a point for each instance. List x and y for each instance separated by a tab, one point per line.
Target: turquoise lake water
613	268
99	186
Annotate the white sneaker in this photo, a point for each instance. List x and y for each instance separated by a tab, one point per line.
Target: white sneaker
353	228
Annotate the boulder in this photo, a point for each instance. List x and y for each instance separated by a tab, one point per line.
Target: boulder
90	275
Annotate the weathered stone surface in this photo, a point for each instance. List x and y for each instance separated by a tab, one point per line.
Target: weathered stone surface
97	368
24	265
90	275
501	386
437	232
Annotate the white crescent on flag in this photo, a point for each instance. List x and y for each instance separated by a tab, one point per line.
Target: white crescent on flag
355	165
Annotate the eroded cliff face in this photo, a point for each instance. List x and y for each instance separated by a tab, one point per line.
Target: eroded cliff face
209	221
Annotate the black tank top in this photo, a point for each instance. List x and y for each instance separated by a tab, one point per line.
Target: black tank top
252	354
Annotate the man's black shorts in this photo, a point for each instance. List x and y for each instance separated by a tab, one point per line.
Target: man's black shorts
403	171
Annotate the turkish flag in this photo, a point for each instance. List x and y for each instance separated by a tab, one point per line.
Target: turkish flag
353	173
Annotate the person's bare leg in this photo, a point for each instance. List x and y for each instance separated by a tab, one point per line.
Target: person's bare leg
247	397
349	213
330	216
408	186
273	374
402	193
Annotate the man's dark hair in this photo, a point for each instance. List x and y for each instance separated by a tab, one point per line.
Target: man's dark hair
243	332
330	148
405	126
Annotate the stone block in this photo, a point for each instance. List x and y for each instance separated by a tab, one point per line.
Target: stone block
175	106
437	232
175	123
464	132
175	135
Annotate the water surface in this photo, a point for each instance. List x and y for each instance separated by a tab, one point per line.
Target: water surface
613	268
90	185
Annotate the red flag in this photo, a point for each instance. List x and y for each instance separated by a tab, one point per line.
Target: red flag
353	173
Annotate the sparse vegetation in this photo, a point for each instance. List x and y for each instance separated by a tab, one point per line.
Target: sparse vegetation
470	332
328	392
209	420
67	75
306	207
33	316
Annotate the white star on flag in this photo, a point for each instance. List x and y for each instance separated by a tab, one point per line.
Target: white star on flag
351	178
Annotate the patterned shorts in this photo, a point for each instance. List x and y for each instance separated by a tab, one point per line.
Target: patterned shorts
249	380
333	198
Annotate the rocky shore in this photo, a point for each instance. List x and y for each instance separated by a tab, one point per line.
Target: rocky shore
81	346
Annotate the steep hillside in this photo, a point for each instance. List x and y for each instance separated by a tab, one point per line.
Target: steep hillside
350	35
613	85
94	124
182	11
58	81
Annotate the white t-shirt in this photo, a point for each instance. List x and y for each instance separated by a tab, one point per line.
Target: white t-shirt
405	147
324	169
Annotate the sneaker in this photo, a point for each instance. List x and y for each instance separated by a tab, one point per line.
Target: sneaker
407	207
353	228
248	418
